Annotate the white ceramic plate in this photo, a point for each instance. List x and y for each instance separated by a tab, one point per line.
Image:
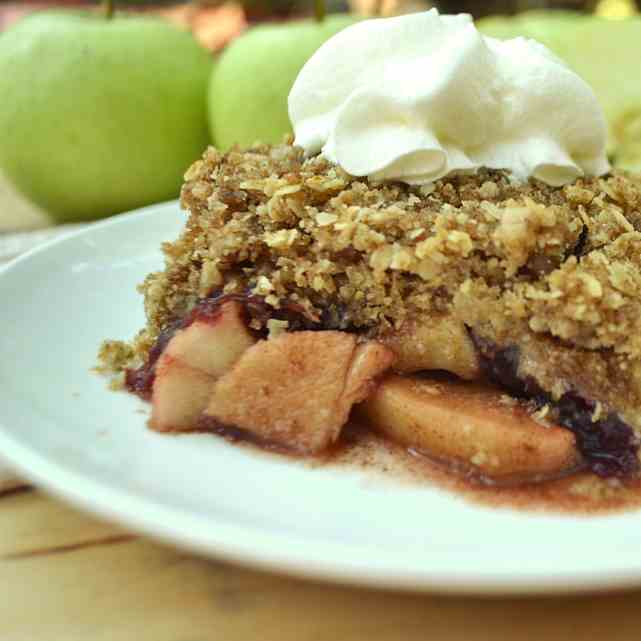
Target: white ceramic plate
64	429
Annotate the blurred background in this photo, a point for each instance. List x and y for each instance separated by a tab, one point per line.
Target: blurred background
103	109
202	14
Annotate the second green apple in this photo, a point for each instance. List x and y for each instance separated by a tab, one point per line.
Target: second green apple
252	79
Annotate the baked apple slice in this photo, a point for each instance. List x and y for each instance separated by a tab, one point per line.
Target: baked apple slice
433	343
180	394
297	389
213	343
471	424
190	364
593	393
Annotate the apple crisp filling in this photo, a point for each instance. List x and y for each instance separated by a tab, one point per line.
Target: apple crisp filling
296	290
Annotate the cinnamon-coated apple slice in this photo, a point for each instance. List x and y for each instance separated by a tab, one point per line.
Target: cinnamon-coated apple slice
433	343
471	424
369	360
192	361
297	389
213	344
179	396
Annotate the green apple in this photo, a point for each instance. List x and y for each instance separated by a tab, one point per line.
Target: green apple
606	53
627	155
501	27
100	115
552	28
251	80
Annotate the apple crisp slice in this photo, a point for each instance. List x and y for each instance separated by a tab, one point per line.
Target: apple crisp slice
534	288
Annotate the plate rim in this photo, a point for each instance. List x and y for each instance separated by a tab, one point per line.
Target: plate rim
253	547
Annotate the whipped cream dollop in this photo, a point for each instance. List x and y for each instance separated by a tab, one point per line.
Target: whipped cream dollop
416	97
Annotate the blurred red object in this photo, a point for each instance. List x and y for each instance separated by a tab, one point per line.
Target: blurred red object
213	26
11	12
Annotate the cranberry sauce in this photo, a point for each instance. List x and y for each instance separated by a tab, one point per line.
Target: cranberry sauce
141	380
608	445
238	435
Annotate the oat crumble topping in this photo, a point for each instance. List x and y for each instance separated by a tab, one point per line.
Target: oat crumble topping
560	266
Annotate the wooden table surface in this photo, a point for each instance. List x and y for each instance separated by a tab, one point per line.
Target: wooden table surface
66	576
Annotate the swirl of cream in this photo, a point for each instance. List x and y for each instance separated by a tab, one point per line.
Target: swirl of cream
416	97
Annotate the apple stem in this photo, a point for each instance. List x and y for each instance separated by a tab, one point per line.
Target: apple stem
319	10
108	8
